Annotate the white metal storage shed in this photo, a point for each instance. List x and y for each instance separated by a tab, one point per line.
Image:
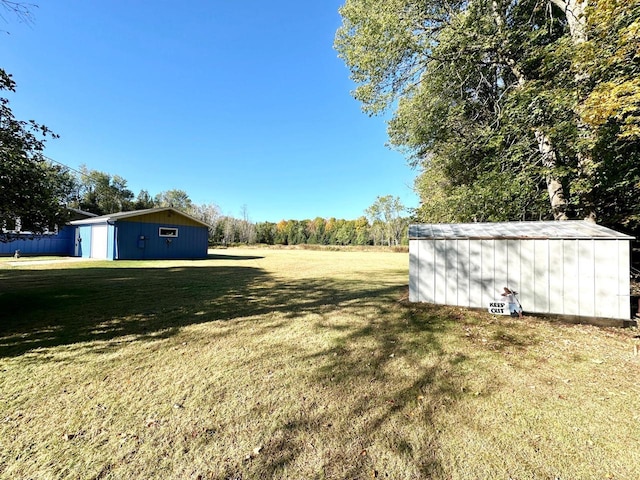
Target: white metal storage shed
573	268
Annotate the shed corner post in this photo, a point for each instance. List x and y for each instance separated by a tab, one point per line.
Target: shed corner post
414	270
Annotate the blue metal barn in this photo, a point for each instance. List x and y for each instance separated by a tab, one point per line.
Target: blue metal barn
153	234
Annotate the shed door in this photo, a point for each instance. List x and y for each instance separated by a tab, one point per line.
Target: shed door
99	241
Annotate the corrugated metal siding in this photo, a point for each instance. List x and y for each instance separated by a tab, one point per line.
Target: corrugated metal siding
191	241
58	244
568	277
84	241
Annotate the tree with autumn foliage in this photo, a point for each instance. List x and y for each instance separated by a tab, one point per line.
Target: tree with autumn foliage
609	108
512	110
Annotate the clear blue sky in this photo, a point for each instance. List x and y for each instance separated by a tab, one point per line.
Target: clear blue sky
237	103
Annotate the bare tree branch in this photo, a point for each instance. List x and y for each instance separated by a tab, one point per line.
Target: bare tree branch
21	10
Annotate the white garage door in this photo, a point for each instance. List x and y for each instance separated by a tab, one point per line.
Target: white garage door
99	241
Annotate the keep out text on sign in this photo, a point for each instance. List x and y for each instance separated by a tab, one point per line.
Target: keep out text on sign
499	308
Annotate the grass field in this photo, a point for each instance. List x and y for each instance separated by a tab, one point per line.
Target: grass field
299	365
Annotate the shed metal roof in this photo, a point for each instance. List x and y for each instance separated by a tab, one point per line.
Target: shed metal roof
549	230
114	217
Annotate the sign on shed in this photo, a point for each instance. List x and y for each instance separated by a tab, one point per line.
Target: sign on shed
499	308
572	268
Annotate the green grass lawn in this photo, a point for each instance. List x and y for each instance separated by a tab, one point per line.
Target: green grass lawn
300	365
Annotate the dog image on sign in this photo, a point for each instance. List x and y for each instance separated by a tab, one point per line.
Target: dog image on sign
514	305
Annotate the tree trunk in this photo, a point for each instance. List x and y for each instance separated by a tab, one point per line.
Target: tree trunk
575	13
557	198
554	186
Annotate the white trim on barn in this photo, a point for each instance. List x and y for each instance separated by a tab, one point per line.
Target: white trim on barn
572	268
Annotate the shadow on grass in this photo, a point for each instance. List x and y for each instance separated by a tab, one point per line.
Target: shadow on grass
220	256
47	308
362	363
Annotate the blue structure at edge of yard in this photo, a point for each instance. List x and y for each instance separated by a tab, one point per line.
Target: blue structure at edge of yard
153	234
60	243
157	233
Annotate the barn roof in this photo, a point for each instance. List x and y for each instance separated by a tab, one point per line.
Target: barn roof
114	217
550	230
77	214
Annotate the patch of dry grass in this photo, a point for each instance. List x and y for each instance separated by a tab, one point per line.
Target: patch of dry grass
297	364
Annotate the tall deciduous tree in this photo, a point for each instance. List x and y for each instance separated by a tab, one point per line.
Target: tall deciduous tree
209	214
34	191
492	100
387	211
102	193
610	108
178	199
246	229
